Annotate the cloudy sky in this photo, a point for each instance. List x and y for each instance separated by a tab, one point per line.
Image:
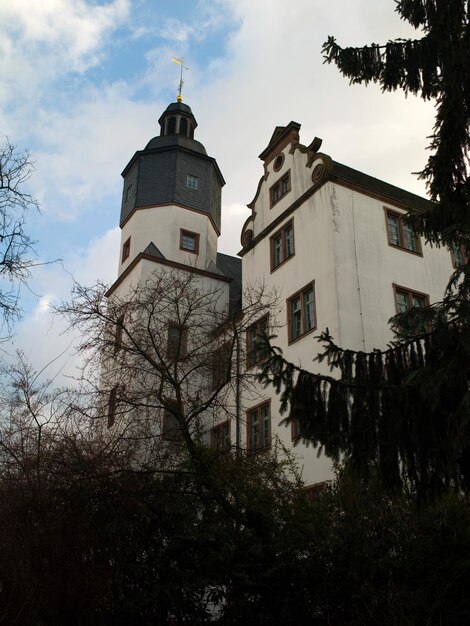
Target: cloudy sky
83	83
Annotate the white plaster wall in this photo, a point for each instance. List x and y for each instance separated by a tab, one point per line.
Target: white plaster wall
162	225
340	243
300	182
314	232
366	267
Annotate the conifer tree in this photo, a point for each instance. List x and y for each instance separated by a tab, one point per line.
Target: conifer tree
404	413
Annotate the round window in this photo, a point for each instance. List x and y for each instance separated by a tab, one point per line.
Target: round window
278	163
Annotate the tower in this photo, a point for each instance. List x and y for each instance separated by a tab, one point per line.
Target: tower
170	222
171	201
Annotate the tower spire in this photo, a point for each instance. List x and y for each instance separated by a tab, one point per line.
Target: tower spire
180	62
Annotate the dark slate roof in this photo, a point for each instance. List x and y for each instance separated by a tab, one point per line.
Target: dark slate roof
179	106
152	250
231	266
168	141
356	177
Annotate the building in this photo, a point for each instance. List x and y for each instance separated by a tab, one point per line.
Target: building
327	240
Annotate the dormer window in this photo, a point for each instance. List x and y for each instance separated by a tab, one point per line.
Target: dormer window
192	182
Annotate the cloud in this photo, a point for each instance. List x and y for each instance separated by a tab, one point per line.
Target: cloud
43	336
267	72
42	41
84	149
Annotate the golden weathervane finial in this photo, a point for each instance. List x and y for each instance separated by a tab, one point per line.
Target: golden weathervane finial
179	62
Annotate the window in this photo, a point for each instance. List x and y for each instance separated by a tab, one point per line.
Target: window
177	342
400	234
295	430
171	429
256	348
171	126
183	129
189	241
301	317
112	403
280	188
128	192
220	436
126	249
458	254
192	182
118	334
282	245
278	163
221	362
258	427
406	299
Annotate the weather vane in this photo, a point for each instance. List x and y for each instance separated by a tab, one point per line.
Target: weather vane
179	62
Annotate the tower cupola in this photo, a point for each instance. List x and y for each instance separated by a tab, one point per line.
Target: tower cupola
173	169
178	119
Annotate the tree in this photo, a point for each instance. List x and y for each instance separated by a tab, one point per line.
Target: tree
16	247
404	412
163	363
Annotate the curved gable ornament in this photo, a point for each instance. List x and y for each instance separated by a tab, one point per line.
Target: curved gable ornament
321	168
246	236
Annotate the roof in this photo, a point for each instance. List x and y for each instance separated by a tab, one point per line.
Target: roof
168	141
231	266
347	174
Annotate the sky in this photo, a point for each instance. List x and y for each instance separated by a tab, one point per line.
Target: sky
83	83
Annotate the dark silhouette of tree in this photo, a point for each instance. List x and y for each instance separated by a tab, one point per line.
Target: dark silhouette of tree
404	413
17	255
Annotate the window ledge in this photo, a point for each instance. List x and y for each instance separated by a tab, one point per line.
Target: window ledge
415	252
274	268
308	332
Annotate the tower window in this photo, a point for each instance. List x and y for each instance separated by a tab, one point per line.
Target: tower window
171	126
112	403
128	192
192	182
189	241
171	427
126	249
221	365
183	126
177	345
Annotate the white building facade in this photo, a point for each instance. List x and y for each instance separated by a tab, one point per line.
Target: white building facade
326	242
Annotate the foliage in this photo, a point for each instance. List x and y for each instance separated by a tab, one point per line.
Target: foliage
91	535
434	66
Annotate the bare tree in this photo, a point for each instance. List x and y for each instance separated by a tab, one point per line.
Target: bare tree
17	255
169	356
